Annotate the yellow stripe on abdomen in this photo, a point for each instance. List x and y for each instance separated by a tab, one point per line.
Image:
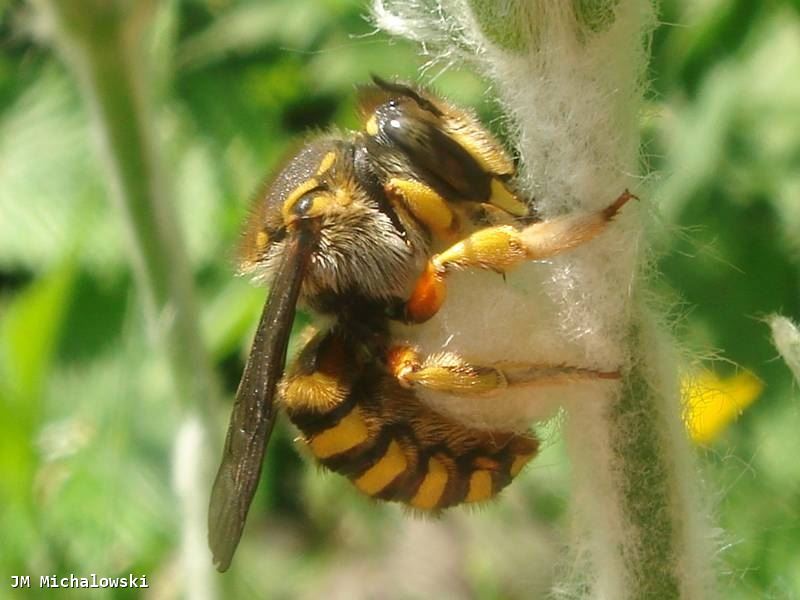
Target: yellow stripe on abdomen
520	461
385	471
480	486
348	433
432	487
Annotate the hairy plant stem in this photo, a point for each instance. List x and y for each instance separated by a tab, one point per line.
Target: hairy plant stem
652	553
570	75
642	451
105	45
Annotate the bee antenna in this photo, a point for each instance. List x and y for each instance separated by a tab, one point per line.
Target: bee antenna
380	81
405	90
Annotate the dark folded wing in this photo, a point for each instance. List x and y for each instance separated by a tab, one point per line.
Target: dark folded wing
254	410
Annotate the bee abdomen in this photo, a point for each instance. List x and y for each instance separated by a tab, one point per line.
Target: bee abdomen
389	462
431	480
446	479
390	445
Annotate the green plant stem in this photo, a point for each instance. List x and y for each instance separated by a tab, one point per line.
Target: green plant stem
570	73
642	451
104	42
636	500
646	554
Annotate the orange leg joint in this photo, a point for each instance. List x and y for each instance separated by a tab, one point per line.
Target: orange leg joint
402	361
428	295
503	247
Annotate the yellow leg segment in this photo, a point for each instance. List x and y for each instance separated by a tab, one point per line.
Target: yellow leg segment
505	199
448	372
425	204
502	247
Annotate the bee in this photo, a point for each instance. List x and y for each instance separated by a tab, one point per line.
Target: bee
363	228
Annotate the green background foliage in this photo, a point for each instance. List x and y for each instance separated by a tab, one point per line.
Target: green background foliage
88	414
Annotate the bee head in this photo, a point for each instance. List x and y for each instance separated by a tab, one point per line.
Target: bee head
358	247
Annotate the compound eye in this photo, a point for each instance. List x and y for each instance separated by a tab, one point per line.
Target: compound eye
304	205
311	205
309	199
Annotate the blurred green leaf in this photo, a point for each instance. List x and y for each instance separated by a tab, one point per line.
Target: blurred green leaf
49	177
232	316
29	331
249	26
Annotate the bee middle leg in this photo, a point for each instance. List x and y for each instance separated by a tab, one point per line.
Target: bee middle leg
502	247
448	372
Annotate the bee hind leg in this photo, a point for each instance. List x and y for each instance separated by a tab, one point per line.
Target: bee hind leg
503	247
448	372
319	379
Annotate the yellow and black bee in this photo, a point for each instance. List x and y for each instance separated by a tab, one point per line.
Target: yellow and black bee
364	228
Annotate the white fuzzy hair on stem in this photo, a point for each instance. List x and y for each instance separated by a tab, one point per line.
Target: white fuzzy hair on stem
786	338
570	76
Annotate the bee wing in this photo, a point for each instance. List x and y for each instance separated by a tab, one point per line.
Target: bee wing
254	410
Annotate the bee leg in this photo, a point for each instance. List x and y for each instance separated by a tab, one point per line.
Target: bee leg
502	247
444	372
425	204
319	377
486	214
319	399
448	372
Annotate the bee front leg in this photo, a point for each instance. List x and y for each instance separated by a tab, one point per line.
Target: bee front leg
502	247
426	204
448	372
